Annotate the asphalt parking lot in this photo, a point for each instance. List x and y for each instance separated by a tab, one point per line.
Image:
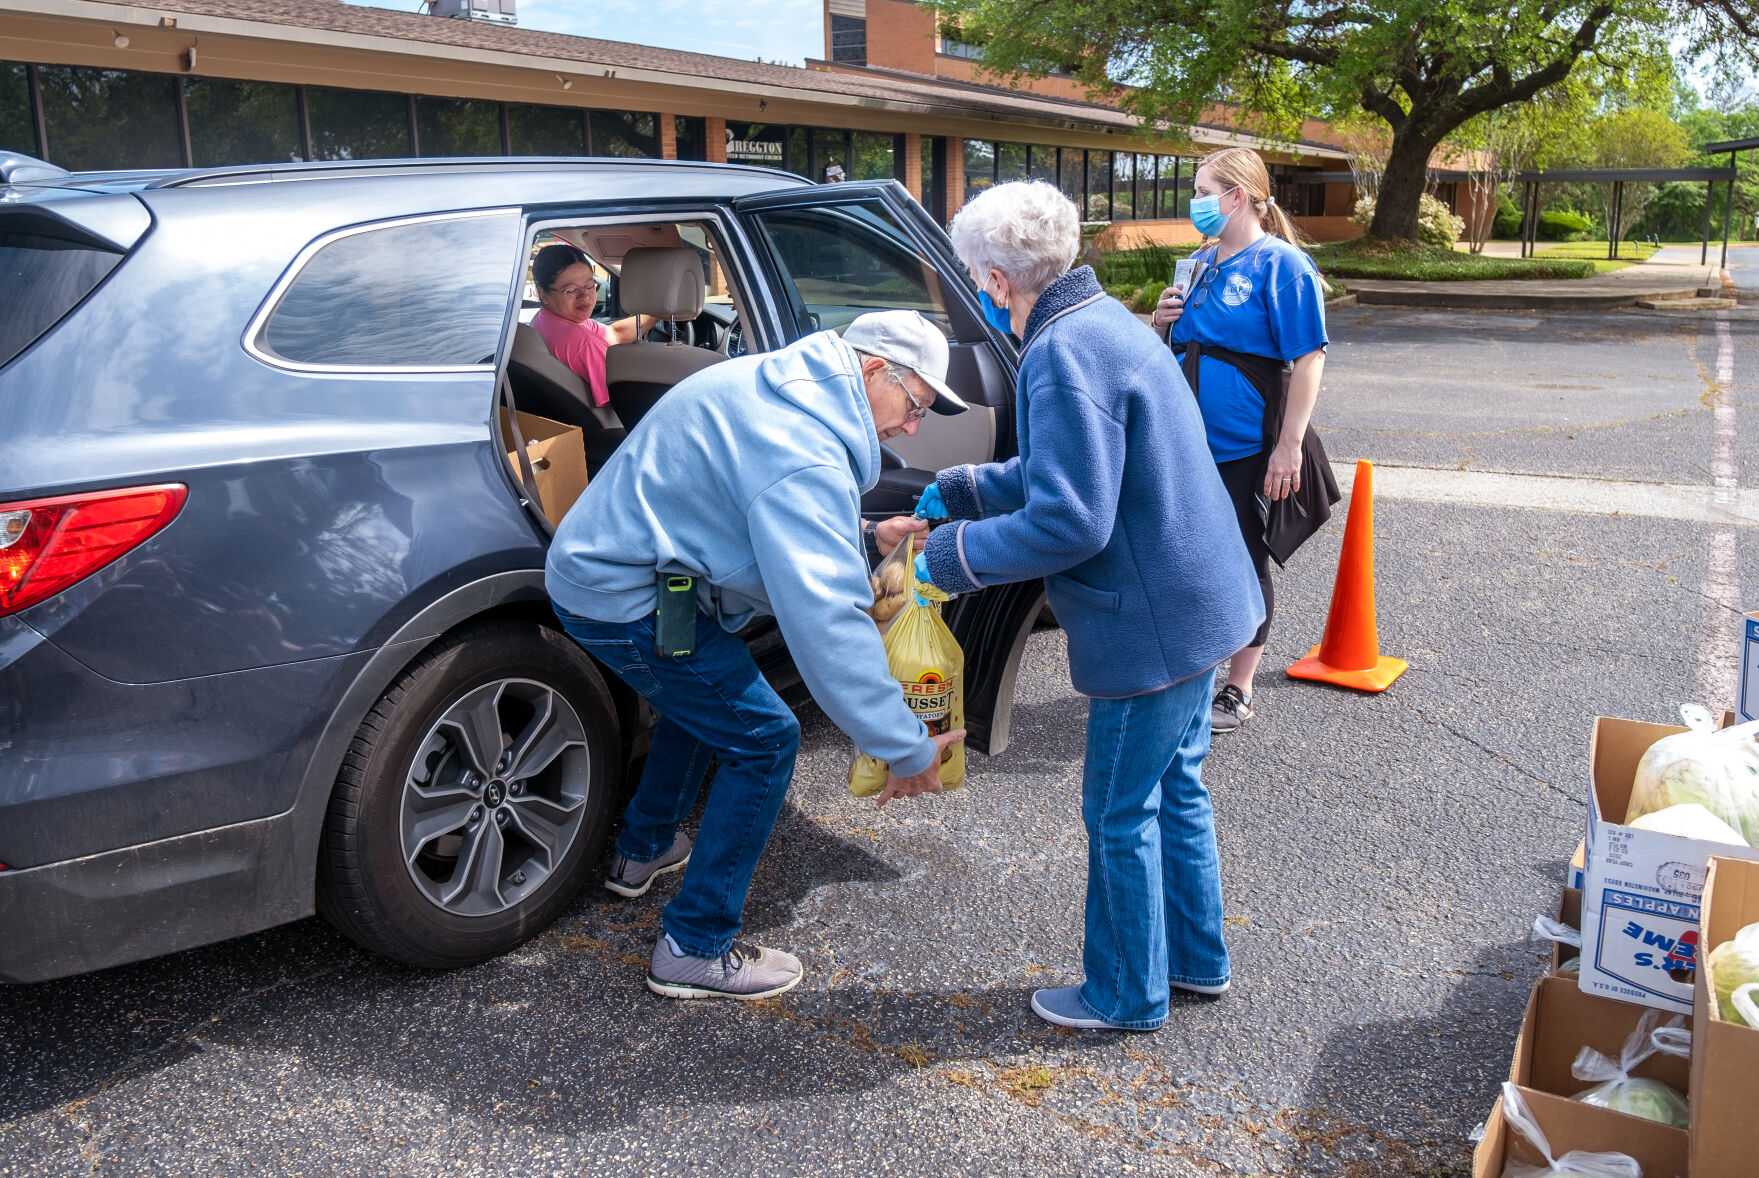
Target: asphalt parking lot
1383	857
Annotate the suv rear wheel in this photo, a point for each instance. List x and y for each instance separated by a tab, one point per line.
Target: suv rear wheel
473	800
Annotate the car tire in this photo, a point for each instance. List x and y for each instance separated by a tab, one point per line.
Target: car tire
473	800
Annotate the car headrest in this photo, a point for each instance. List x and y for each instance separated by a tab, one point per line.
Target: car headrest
665	281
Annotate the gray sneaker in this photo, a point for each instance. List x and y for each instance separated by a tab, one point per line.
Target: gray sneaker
746	972
632	879
1231	708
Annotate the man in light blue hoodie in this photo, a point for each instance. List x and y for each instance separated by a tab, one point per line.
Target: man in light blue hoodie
747	477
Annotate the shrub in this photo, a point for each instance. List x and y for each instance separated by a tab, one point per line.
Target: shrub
1564	225
1508	217
1435	225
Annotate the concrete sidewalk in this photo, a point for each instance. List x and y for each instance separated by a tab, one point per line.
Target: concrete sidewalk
1621	288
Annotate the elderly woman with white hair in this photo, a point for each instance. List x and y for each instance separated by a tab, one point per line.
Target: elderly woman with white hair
1114	501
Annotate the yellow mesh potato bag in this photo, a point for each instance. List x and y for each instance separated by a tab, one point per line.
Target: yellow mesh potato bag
925	659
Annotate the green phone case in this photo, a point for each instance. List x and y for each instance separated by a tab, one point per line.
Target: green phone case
675	627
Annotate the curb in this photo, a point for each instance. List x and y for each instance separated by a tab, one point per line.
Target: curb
1538	301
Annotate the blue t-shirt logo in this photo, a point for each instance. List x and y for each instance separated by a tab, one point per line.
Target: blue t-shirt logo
1237	291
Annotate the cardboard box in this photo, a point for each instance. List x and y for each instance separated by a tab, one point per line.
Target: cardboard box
1747	695
1576	876
1569	911
557	453
1659	1150
1561	1020
1640	899
1725	1056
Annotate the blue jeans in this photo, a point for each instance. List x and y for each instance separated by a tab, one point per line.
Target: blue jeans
1154	895
713	703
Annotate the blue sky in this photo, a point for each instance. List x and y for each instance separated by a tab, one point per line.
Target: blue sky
776	30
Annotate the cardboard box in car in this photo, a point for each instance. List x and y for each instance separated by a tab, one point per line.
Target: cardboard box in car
1725	1056
557	453
1642	890
1659	1150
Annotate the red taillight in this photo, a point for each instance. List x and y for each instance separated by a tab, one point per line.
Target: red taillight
48	544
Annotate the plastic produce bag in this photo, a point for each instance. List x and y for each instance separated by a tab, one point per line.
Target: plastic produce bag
1734	965
1549	929
925	659
1718	770
1689	820
891	583
1575	1164
1622	1092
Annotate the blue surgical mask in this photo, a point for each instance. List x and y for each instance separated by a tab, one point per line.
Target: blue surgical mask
998	316
1207	216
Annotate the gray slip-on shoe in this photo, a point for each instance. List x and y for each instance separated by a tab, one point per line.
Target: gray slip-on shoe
746	972
1230	709
632	879
1063	1007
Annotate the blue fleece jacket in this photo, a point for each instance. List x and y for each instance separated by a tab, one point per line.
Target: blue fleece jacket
1114	500
748	475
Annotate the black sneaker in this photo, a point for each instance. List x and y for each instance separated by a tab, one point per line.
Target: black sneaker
1232	708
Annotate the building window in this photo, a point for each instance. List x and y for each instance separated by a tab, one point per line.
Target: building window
1124	186
103	119
761	144
830	156
1072	174
543	130
457	126
980	167
633	134
691	137
800	152
421	294
18	131
848	40
1099	186
234	122
1041	164
1010	162
876	156
357	124
953	48
930	147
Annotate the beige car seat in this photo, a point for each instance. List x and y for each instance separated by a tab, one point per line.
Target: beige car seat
666	282
549	388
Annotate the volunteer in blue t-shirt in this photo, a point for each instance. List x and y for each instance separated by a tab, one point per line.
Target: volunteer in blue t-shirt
1261	295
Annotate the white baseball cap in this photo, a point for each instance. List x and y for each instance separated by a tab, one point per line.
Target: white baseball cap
907	338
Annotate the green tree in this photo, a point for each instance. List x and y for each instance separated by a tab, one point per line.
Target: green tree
1636	139
1421	68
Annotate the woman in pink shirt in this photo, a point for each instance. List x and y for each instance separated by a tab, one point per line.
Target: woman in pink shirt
568	292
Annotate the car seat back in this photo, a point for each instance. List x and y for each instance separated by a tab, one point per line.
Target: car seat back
665	282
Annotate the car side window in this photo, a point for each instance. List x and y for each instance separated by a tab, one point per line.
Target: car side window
416	294
844	260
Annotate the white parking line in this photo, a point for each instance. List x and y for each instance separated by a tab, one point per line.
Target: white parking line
1727	505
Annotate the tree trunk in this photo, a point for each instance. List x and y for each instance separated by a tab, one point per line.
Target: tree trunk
1401	188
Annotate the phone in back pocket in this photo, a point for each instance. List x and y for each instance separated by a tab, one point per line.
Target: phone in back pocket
675	625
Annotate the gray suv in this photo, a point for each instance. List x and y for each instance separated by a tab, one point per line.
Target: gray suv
272	615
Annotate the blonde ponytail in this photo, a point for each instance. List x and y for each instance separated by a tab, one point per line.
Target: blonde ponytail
1243	168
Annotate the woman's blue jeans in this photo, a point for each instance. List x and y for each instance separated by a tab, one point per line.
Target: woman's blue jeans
1154	896
711	704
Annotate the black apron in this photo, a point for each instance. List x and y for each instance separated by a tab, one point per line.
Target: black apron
1293	518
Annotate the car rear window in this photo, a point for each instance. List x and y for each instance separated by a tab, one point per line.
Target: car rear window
43	276
428	293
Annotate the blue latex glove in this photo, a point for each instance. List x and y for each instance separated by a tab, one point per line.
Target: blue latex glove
922	568
931	505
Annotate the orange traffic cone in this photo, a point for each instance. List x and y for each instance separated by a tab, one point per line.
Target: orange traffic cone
1349	654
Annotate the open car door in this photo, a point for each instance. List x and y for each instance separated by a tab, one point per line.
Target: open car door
834	252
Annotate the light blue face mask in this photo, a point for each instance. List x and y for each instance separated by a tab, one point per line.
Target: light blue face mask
998	316
1207	216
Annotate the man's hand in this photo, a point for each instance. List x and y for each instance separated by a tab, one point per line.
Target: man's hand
926	782
889	533
1168	310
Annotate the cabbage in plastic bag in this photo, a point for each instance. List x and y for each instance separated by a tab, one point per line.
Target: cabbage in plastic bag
1622	1092
1575	1164
1733	964
1717	770
1689	820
